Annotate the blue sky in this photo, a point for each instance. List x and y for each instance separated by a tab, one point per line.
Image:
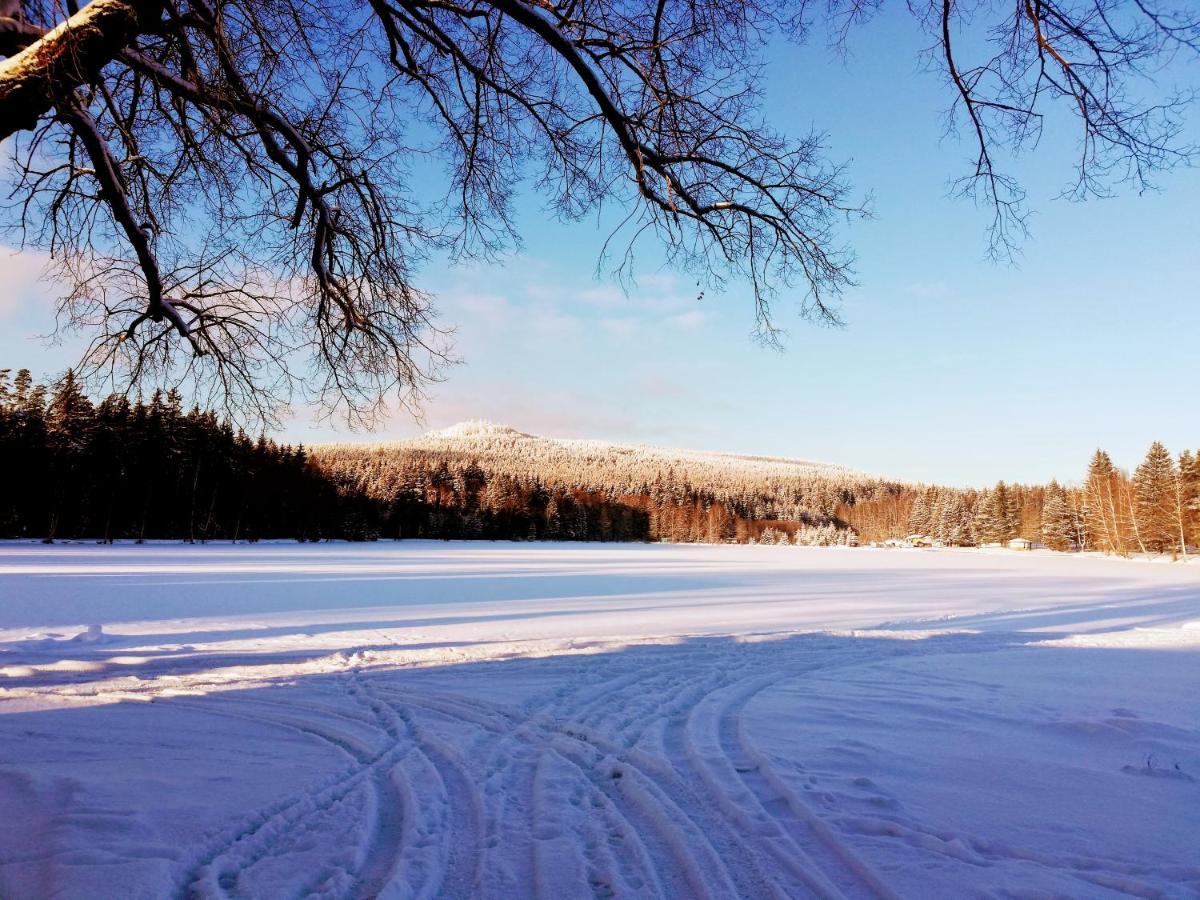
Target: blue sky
951	369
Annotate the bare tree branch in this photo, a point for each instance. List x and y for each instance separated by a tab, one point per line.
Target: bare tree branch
67	56
238	193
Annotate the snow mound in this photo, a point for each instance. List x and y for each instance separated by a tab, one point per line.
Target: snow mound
476	428
93	635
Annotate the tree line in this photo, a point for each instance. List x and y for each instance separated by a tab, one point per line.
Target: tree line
121	469
1156	509
148	469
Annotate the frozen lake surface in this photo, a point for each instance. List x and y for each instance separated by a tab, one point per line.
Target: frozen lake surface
509	720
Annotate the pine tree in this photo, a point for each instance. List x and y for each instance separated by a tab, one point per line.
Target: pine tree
1057	524
982	522
553	521
958	531
1008	512
996	521
1154	483
918	519
1188	499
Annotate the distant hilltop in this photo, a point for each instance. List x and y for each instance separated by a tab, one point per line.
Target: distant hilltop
481	479
475	428
485	439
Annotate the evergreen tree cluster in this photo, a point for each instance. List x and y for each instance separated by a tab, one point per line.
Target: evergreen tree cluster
148	470
463	502
1156	510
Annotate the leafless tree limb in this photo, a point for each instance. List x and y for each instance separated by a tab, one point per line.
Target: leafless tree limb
237	194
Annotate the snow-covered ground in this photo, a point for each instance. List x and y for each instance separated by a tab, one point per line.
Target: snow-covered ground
453	720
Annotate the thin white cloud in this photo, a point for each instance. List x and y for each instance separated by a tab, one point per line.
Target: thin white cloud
927	290
22	281
690	320
551	322
491	308
620	326
603	295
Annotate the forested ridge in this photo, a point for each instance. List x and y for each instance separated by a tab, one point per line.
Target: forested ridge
148	469
483	480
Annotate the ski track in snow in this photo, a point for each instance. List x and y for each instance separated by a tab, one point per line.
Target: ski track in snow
555	767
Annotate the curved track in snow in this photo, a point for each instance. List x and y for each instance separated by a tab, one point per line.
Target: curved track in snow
429	721
634	779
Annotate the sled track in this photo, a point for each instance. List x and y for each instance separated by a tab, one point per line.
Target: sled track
633	778
645	784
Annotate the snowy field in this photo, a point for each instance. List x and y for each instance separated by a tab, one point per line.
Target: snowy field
560	721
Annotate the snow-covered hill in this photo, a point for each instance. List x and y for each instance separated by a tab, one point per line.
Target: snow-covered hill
482	436
606	464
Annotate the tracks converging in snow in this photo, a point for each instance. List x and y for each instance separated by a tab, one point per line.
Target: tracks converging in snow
622	776
628	777
429	721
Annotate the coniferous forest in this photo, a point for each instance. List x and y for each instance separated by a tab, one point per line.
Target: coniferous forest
148	469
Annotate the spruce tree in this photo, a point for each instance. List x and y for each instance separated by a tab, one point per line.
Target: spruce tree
1057	526
1154	489
982	522
918	519
1189	498
1002	521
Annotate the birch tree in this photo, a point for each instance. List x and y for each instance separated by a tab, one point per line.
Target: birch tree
1103	505
1185	500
